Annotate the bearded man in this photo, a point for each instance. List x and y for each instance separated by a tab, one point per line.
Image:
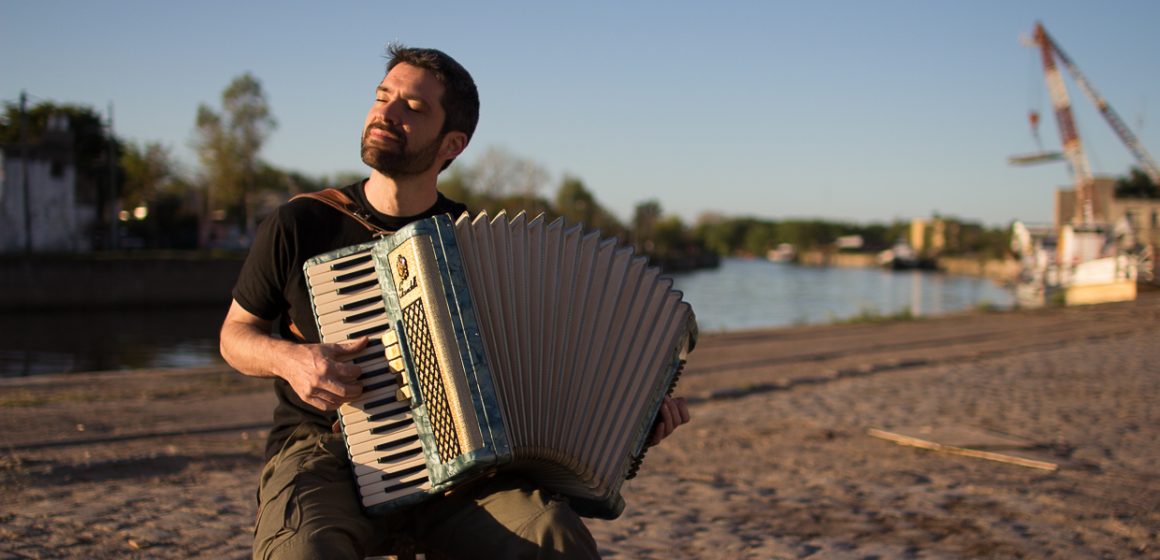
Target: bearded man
423	116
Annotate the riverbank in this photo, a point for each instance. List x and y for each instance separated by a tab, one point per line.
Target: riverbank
1002	271
117	280
779	461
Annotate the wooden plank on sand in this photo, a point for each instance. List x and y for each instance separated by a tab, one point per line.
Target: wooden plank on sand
968	442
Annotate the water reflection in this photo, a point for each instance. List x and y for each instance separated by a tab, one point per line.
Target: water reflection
740	294
745	294
36	342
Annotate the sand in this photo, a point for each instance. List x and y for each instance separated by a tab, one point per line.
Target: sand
779	461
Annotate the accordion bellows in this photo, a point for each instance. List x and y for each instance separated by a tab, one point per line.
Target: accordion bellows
506	344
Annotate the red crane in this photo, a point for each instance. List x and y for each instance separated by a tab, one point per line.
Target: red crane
1072	147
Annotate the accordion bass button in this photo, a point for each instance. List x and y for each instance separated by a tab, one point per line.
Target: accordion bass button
403	394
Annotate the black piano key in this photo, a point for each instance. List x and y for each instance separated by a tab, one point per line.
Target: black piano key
379	385
401	455
384	416
382	402
360	303
397	443
363	315
402	485
353	274
368	331
369	357
374	373
357	287
391	426
351	263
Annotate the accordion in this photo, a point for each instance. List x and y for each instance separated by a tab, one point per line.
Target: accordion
500	344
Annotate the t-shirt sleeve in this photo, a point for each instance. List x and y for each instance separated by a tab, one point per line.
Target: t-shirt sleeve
260	288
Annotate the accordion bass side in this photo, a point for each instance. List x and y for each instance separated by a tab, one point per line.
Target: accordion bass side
500	344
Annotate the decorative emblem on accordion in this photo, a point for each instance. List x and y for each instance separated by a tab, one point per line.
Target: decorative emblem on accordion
401	267
500	344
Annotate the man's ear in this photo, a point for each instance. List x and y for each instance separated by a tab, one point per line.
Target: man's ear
454	143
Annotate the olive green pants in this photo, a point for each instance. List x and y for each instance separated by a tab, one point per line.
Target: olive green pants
308	507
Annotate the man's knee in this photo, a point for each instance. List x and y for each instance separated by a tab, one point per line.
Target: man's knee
507	517
309	544
308	505
557	529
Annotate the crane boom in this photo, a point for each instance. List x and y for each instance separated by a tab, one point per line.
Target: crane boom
1149	165
1050	51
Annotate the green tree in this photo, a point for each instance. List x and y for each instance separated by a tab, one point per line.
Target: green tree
147	168
668	237
1137	185
644	221
575	203
454	185
228	143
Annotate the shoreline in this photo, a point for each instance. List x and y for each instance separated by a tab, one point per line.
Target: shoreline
779	461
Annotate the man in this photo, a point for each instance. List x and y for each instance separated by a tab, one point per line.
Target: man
424	114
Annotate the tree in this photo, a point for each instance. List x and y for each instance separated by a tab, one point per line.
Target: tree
578	205
454	185
498	174
1137	185
575	203
146	170
644	222
228	144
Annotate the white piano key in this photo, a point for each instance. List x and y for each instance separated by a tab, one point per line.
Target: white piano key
321	299
374	495
393	413
351	302
346	278
378	472
349	324
385	438
370	433
368	461
366	305
334	267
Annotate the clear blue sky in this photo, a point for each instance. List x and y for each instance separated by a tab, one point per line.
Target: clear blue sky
860	110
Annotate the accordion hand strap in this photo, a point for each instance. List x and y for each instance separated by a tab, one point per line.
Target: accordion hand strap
340	201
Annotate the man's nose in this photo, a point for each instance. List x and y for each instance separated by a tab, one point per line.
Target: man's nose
390	110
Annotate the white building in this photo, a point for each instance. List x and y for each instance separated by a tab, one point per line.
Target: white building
59	214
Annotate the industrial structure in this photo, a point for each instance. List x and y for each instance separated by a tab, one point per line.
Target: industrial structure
1100	247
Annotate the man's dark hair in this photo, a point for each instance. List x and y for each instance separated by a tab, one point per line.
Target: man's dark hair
460	98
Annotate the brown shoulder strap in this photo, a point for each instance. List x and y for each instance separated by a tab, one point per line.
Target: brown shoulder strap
340	201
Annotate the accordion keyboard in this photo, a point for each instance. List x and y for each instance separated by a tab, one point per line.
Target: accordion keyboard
381	435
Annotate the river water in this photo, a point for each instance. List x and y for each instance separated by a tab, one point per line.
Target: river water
744	294
740	294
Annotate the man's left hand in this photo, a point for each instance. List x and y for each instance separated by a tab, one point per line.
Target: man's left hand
673	413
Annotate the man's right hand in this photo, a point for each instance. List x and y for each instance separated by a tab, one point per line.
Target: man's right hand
320	377
316	372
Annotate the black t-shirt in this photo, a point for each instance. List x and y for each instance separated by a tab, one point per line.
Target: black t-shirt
272	284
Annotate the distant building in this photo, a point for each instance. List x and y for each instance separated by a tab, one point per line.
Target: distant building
61	212
1142	214
938	236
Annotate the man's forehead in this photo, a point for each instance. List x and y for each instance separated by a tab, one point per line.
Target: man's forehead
413	80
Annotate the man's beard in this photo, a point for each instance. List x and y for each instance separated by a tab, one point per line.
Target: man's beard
400	163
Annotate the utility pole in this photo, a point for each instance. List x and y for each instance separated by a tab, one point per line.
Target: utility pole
24	172
112	162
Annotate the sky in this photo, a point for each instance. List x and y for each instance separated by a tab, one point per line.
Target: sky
859	111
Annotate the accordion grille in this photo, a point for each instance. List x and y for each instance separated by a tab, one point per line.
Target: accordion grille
430	381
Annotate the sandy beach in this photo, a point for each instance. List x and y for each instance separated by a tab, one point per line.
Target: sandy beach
1045	426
